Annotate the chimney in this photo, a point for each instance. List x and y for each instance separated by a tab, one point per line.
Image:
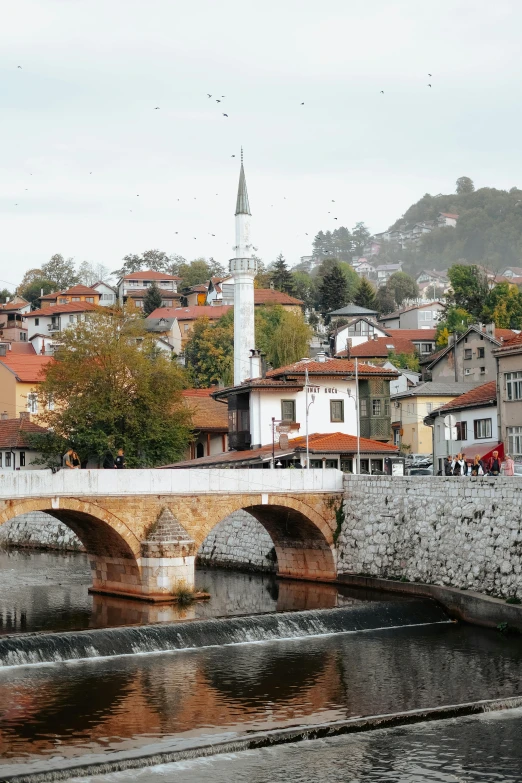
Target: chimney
41	292
320	357
490	330
25	415
4	416
255	363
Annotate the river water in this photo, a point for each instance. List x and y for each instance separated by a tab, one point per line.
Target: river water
59	714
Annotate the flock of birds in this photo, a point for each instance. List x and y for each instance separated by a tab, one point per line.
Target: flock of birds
219	100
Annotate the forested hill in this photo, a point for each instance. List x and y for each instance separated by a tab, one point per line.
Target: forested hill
488	231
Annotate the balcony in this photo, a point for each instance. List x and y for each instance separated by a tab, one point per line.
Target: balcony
55	326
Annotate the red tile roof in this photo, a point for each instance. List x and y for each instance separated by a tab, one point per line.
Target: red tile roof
513	342
449	214
190	313
328	443
80	290
28	369
149	274
480	395
504	334
69	307
207	413
21	348
329	367
14	306
13	432
269	296
413	334
381	347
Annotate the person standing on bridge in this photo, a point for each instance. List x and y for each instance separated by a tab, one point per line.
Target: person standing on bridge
120	459
72	460
509	466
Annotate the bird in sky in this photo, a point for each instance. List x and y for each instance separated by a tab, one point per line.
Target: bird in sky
430	74
382	92
137	194
333	201
225	115
19	66
335	218
175	232
223	96
302	103
217	100
233	156
156	108
306	234
429	85
209	95
213	235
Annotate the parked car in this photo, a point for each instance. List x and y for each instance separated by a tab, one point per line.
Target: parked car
428	471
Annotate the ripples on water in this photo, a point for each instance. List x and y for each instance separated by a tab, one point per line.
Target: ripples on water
487	749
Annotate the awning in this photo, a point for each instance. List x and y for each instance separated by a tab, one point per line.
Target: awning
484	449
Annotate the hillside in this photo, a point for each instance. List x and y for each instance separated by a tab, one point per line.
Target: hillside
488	231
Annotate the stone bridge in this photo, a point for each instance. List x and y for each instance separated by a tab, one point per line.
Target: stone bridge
142	528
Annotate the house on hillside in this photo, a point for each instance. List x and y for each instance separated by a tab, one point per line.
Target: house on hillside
447	219
378	349
508	357
352	311
358	330
410	408
16	452
12	326
196	296
476	431
364	269
419	316
20	375
16	304
179	322
134	287
45	325
108	294
470	358
209	423
383	272
267	297
77	293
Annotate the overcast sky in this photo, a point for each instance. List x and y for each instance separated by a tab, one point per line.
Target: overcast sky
80	137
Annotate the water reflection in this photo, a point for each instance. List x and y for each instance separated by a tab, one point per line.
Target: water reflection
117	704
48	591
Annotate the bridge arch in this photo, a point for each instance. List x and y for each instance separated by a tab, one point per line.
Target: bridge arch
301	534
111	546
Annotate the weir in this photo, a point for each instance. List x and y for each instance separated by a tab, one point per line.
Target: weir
29	649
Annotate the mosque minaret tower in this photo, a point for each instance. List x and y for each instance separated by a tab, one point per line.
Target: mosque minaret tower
243	269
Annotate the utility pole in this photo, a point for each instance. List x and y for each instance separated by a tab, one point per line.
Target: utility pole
357	415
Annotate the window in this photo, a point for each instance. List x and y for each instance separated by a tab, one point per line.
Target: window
482	428
37	322
514	385
363	407
481	352
482	370
186	327
316	463
76	299
331	463
468	353
89	299
467	371
386	407
32	403
376	407
425	315
514	438
288	410
167	303
336	410
138	303
22	459
425	347
8	459
23	337
1	455
462	430
63	301
71	319
429	407
232	421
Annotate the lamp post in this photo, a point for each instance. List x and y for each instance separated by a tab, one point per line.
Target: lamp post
307	408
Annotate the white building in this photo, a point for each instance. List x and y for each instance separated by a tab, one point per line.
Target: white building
108	294
357	331
50	321
16	452
476	429
134	286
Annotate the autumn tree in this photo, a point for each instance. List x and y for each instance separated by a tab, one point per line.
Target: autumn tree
282	335
209	352
111	388
152	299
456	320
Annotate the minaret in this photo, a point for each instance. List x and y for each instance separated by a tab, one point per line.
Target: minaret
243	269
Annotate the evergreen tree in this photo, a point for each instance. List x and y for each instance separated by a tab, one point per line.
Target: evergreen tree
384	300
365	296
280	276
360	236
152	299
402	286
333	291
464	185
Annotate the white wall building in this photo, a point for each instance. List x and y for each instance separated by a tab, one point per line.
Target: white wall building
52	320
108	294
358	331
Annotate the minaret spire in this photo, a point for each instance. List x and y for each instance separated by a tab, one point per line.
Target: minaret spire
242	205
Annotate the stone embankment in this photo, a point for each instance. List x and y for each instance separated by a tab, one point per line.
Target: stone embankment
37	530
459	532
240	541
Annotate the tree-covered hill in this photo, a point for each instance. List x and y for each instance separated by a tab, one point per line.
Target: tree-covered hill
488	231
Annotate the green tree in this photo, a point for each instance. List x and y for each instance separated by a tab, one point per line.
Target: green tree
456	321
152	299
262	278
112	389
304	288
282	335
384	300
280	276
350	275
209	352
196	272
405	361
402	287
360	237
155	260
464	185
60	271
503	307
32	285
469	289
333	290
5	294
365	296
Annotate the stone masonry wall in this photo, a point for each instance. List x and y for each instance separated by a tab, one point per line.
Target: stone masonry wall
459	532
37	530
238	541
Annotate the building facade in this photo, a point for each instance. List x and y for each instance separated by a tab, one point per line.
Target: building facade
509	390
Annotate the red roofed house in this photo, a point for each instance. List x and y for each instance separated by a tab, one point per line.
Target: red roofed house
179	321
16	452
77	293
508	357
476	431
447	219
134	286
20	374
257	407
45	324
209	423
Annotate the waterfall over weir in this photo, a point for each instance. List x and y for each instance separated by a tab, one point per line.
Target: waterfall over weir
28	649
